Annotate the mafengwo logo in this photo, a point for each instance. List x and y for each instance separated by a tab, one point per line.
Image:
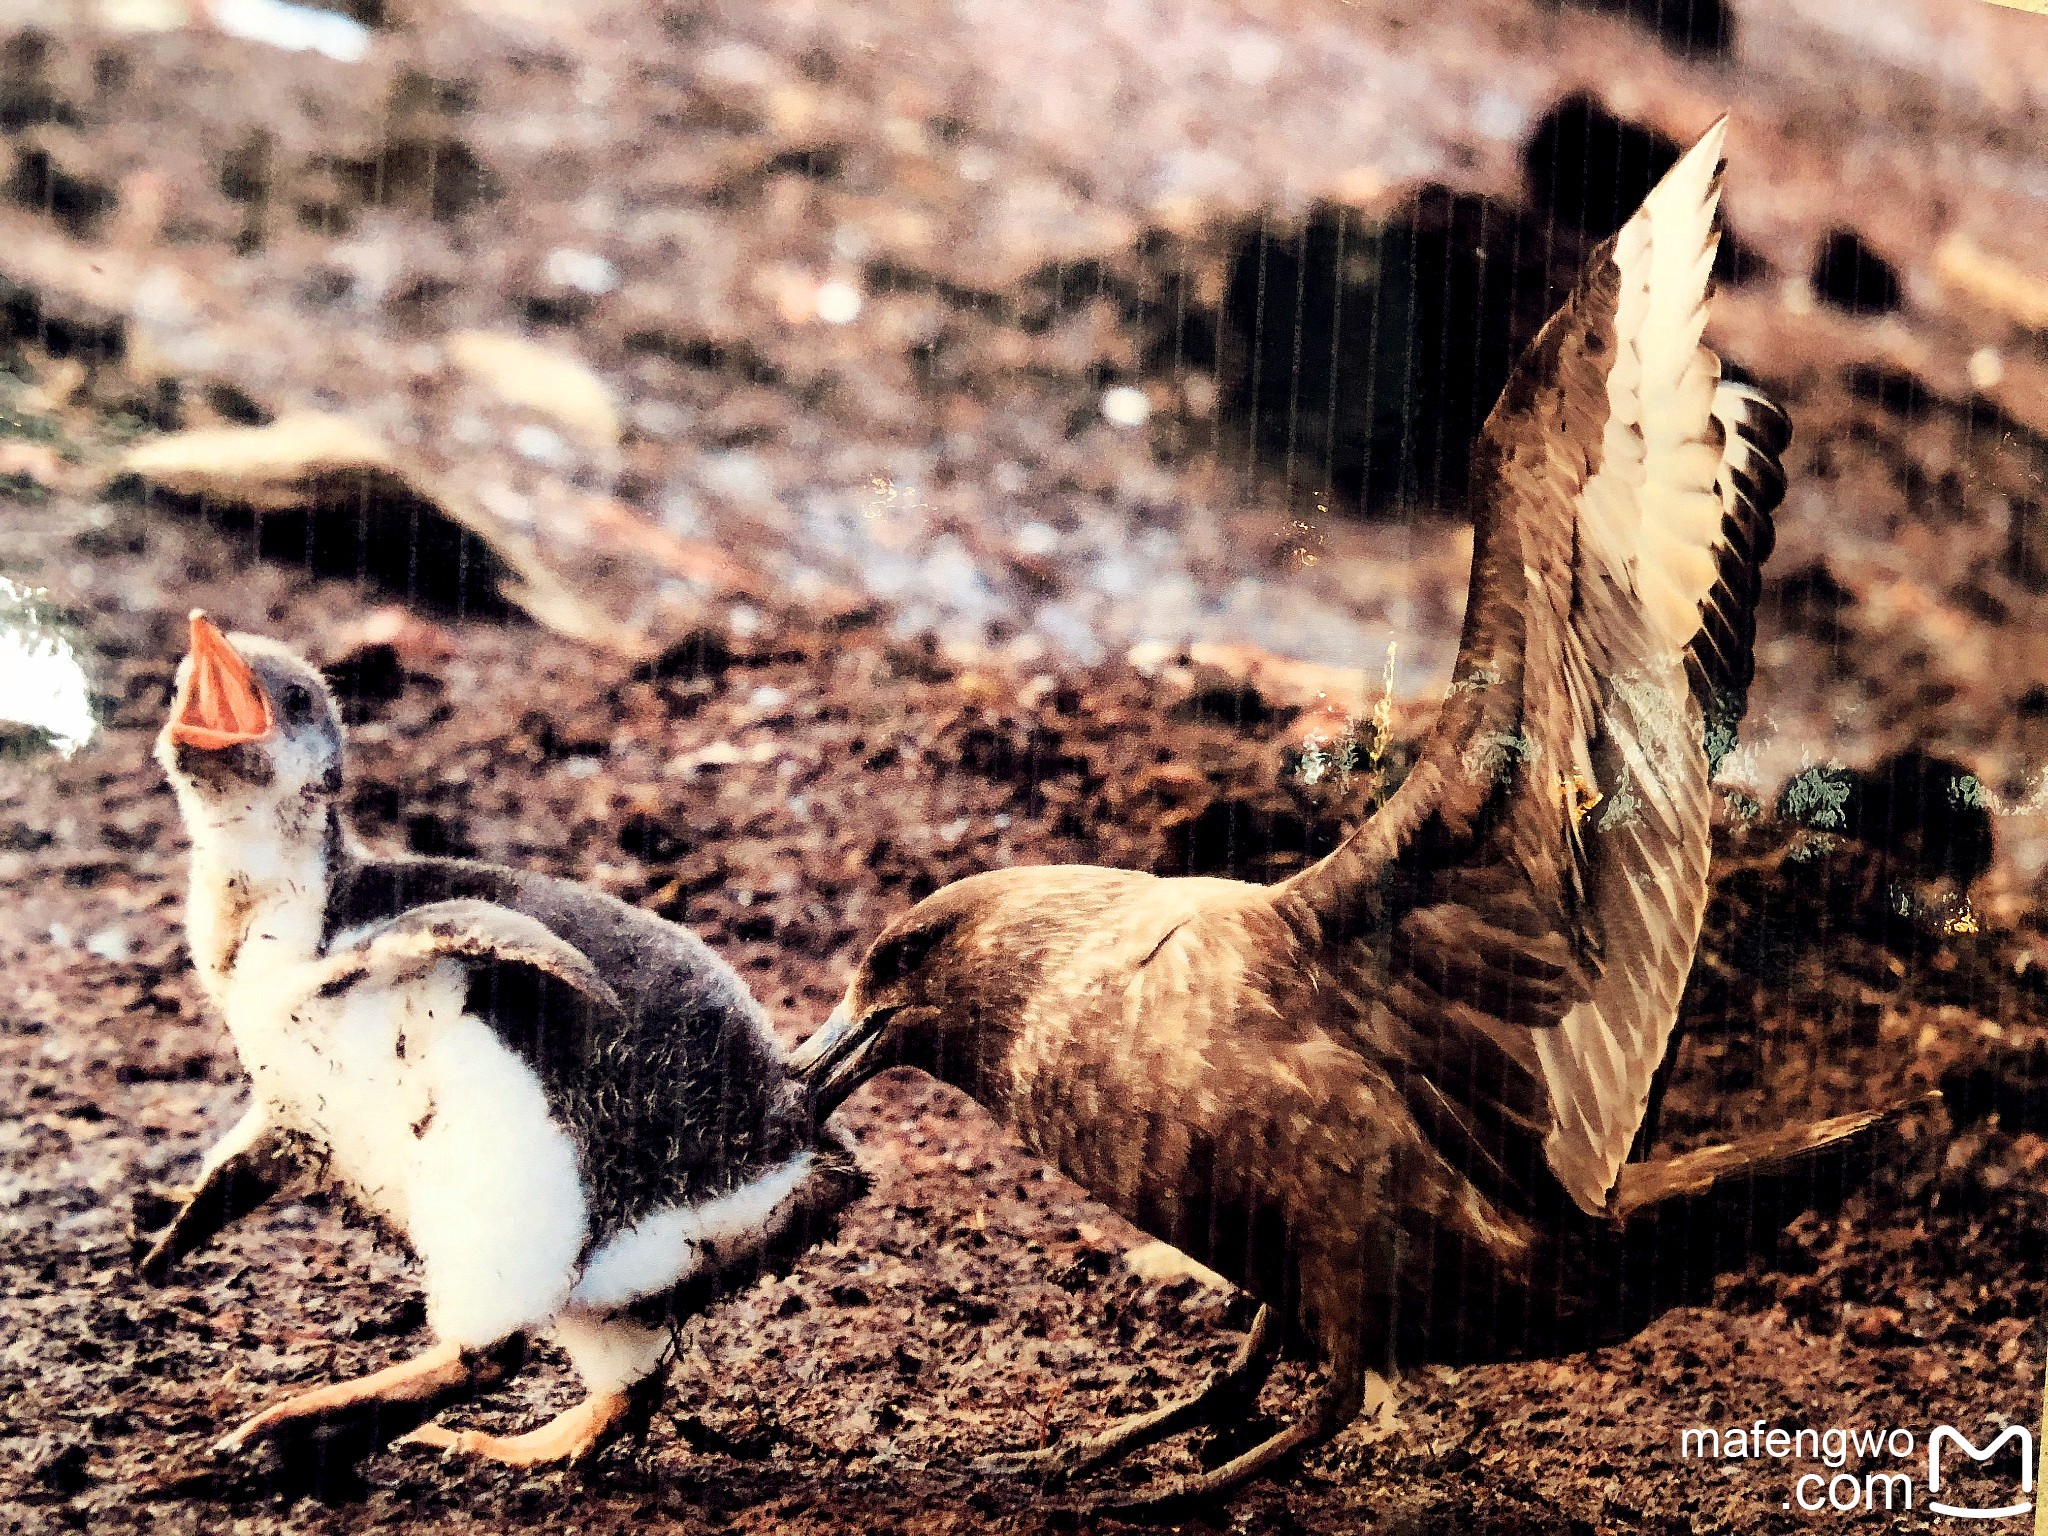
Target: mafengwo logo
1864	1470
2041	1507
1946	1436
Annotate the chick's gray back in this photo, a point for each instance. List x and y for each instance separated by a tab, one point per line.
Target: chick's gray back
681	1096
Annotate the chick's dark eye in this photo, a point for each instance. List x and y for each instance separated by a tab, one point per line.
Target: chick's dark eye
297	702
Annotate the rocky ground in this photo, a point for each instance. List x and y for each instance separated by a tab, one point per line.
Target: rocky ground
728	457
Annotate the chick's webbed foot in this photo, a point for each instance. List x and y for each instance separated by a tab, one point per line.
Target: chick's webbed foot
425	1382
573	1435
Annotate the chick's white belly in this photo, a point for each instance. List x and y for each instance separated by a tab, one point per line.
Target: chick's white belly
432	1121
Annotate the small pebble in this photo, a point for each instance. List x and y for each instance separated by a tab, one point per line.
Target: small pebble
585	271
109	944
838	303
1126	406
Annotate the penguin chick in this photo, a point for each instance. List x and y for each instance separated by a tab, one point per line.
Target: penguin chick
572	1111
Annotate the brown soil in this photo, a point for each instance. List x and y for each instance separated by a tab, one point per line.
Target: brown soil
972	1302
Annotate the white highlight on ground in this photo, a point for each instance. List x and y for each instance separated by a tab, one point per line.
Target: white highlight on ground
1039	539
294	28
838	302
1126	406
42	681
585	271
1987	368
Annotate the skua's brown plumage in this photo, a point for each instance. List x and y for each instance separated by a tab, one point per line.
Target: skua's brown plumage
1392	1097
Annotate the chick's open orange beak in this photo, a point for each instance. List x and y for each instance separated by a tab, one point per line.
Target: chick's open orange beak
221	704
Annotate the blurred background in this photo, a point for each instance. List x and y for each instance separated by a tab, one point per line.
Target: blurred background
771	459
1052	331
